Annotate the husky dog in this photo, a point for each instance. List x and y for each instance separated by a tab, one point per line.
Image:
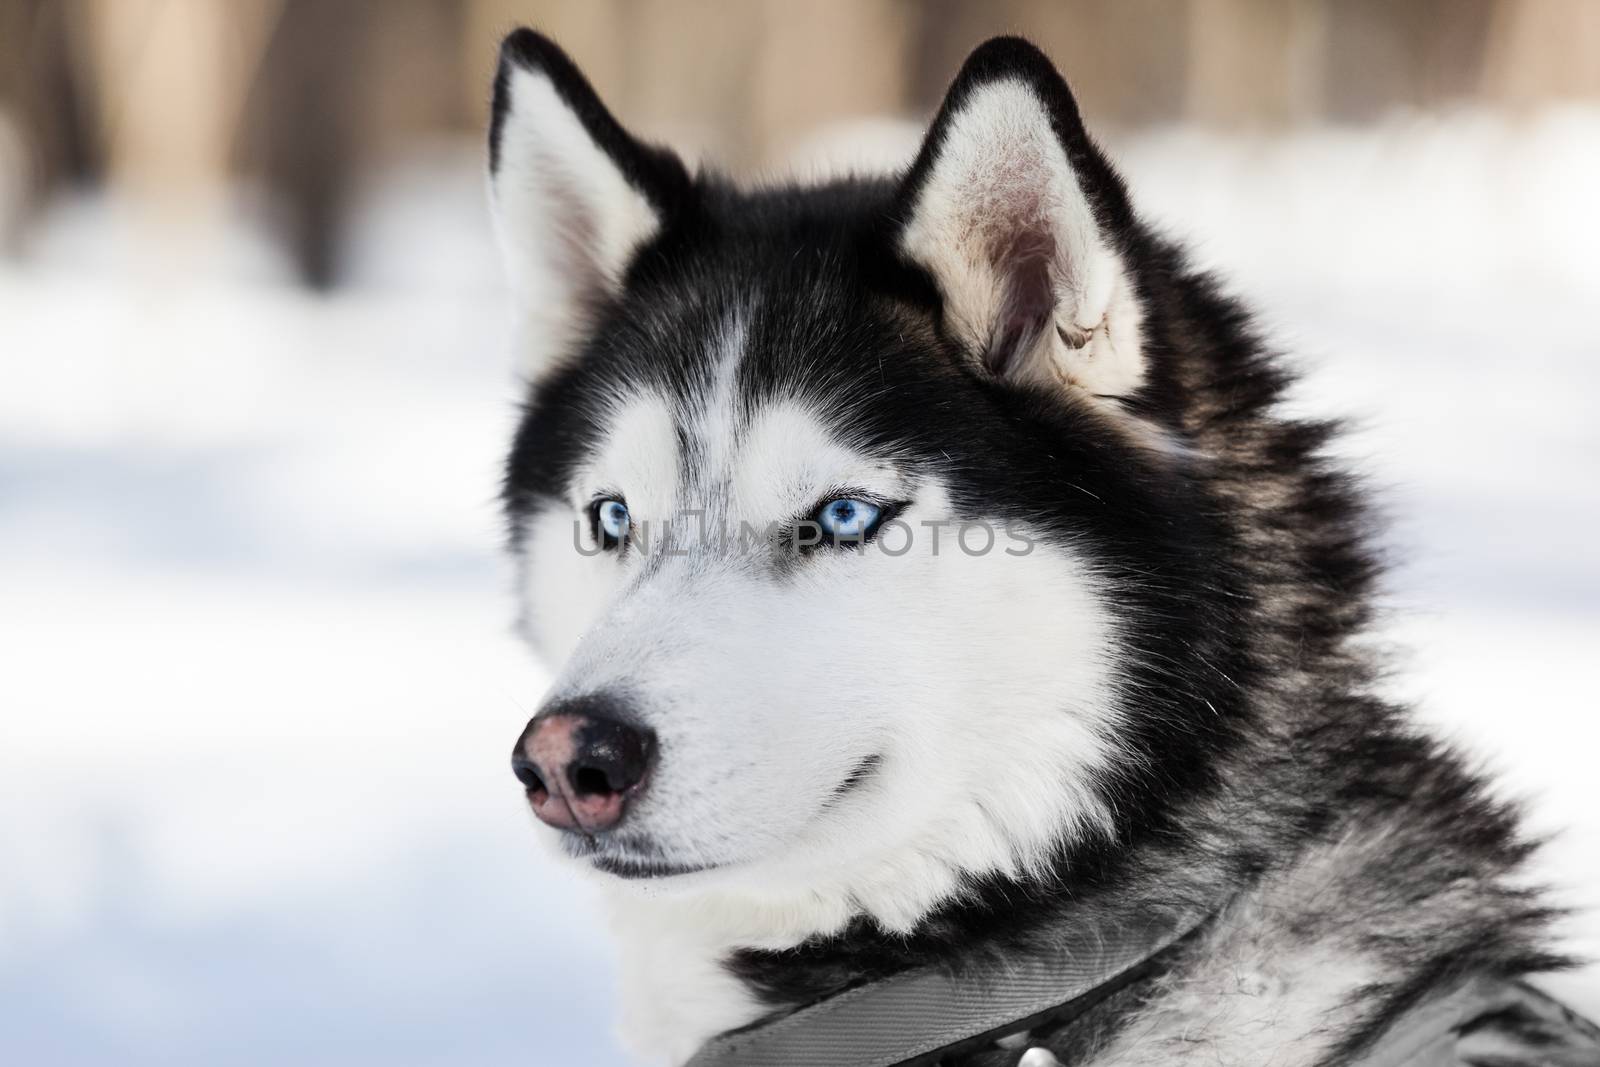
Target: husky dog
932	579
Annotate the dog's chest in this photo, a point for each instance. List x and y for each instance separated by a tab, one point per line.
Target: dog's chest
674	992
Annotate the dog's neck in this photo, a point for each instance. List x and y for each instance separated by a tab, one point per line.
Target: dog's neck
692	967
695	965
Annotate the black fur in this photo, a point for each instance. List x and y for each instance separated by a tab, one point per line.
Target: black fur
1245	561
655	172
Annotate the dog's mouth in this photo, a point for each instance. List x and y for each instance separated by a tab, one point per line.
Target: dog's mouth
627	856
859	776
632	868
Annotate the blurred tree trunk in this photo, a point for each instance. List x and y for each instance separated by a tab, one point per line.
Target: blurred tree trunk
41	93
1383	55
1255	62
300	129
1543	50
342	81
826	61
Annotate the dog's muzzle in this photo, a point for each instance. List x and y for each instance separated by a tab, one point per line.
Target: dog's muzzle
582	764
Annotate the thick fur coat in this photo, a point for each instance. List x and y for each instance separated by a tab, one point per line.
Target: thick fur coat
862	762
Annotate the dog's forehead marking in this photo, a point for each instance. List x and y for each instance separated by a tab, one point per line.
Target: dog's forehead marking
641	452
716	449
763	459
714	415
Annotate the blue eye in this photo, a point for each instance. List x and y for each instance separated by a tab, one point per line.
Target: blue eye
848	519
611	522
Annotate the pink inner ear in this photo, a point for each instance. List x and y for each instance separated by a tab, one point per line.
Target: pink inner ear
573	225
1028	304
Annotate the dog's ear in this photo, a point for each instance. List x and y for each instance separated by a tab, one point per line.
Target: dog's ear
1021	222
575	195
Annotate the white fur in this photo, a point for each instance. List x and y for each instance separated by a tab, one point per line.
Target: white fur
982	680
1001	172
674	991
567	220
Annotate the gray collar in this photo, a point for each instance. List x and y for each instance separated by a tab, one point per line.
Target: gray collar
921	1015
918	1017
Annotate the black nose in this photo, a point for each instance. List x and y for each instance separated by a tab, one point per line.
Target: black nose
581	766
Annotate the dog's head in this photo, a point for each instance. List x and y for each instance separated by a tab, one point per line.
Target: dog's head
852	517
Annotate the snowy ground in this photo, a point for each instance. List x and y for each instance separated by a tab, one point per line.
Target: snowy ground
257	682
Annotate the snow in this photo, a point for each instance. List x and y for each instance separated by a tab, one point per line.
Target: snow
259	683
